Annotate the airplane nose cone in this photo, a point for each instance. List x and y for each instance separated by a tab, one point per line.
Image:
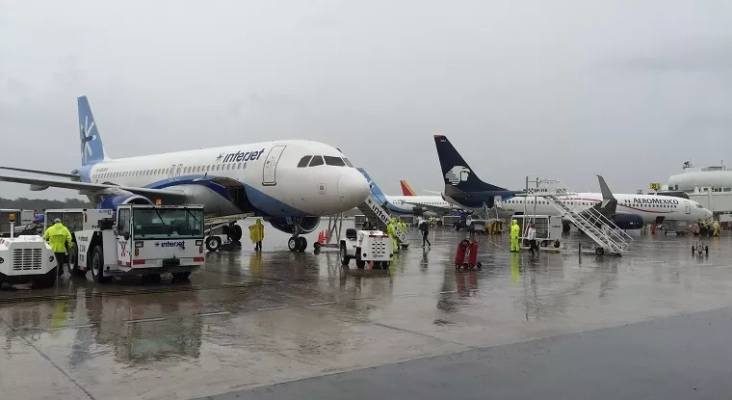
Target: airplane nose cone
353	189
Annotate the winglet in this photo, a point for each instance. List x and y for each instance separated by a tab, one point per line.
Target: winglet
607	194
407	188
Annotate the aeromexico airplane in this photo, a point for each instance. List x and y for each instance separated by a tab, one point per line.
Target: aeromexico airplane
627	211
290	183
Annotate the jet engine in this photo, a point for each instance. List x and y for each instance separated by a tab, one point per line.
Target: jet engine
307	224
628	221
111	201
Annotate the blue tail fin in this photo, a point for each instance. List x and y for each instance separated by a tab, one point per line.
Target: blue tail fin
380	196
92	150
457	172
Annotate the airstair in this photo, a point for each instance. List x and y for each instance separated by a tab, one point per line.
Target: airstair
380	217
609	238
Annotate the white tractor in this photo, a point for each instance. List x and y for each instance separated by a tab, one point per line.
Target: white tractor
366	246
25	259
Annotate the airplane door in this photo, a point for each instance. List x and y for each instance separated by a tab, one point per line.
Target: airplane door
124	237
687	207
269	177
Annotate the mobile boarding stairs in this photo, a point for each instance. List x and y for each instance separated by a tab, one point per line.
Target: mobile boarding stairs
607	236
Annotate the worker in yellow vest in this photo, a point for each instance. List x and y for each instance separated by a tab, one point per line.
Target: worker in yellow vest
256	234
59	237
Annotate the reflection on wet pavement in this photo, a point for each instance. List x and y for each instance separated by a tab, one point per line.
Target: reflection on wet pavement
251	319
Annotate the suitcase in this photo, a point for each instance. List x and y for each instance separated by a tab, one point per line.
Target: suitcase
473	256
462	247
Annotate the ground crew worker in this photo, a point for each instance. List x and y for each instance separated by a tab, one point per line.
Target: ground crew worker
256	234
515	231
704	231
403	226
391	231
715	226
59	237
532	239
424	227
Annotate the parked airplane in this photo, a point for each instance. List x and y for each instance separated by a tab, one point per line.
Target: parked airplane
412	205
290	183
407	188
627	211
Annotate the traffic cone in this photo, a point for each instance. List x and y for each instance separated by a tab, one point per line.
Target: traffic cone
371	265
321	237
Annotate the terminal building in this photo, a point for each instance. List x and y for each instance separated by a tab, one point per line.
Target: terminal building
709	186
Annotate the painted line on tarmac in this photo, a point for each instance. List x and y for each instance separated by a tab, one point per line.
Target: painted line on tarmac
282	307
322	303
208	314
137	321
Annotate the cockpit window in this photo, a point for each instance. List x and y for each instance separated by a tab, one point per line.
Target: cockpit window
334	161
348	163
317	160
304	162
699	206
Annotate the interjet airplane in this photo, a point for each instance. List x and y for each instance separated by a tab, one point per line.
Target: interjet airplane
290	183
626	211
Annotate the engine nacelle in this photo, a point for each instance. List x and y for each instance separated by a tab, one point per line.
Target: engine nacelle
112	201
628	221
307	224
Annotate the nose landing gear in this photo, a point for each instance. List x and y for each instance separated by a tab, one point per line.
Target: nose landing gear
297	243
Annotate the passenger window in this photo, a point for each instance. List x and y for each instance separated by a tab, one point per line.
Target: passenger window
334	161
304	162
348	163
238	166
317	160
208	167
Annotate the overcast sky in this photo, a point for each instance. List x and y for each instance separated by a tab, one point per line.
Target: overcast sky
629	89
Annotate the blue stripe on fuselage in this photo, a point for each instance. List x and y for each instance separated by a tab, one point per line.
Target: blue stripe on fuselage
264	203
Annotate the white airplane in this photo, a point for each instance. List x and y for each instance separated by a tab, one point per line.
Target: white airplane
411	205
290	183
627	211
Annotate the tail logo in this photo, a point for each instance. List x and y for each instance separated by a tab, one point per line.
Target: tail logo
86	138
457	174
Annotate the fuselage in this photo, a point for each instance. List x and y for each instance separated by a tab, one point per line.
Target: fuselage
289	178
405	204
649	207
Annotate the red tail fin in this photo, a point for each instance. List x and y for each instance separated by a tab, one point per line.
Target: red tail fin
406	189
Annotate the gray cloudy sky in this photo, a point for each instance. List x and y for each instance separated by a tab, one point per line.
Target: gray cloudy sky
629	89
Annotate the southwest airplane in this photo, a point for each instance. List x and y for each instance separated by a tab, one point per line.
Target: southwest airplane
409	205
627	211
290	183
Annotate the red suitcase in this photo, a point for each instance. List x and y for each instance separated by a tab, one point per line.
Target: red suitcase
473	256
462	247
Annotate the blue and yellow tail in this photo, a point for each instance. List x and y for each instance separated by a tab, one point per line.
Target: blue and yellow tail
92	150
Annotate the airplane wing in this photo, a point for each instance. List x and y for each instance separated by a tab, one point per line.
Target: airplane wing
91	186
432	208
37	171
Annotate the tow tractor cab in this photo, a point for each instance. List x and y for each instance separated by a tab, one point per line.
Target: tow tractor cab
366	246
136	240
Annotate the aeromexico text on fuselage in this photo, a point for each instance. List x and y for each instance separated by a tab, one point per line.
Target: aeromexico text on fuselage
240	156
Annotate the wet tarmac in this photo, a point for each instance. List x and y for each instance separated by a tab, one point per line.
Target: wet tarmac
247	321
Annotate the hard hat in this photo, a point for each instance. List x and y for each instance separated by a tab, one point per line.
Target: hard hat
57	220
